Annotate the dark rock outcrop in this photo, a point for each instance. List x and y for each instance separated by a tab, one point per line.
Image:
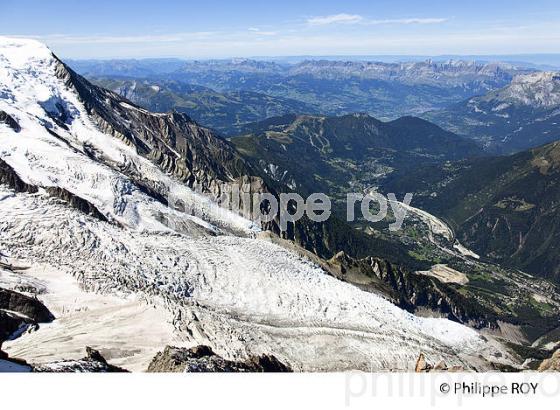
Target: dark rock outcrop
9	177
203	359
11	324
7	119
94	362
76	202
28	306
13	365
18	312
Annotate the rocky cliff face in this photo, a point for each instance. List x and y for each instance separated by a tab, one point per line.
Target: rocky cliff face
19	312
411	291
28	306
176	144
9	121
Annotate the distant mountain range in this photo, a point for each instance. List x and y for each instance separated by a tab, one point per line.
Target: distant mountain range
225	112
537	61
127	67
384	90
521	115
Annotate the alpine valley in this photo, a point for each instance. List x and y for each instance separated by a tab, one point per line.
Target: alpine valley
100	272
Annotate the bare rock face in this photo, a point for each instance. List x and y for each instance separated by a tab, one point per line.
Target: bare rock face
94	362
203	359
18	311
12	324
552	364
7	119
423	366
10	178
410	291
28	306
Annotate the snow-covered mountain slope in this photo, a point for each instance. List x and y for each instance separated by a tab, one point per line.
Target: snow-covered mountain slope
224	287
66	136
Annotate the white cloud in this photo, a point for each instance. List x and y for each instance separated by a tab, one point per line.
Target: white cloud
345	18
342	18
258	31
408	21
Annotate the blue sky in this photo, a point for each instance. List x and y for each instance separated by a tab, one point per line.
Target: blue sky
208	28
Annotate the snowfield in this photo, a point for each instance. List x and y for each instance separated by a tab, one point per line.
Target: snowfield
239	295
124	327
204	285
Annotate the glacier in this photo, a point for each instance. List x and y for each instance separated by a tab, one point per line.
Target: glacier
215	281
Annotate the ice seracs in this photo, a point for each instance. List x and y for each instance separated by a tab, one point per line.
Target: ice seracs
238	294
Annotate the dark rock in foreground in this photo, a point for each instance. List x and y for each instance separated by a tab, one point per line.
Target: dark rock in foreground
203	359
94	362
